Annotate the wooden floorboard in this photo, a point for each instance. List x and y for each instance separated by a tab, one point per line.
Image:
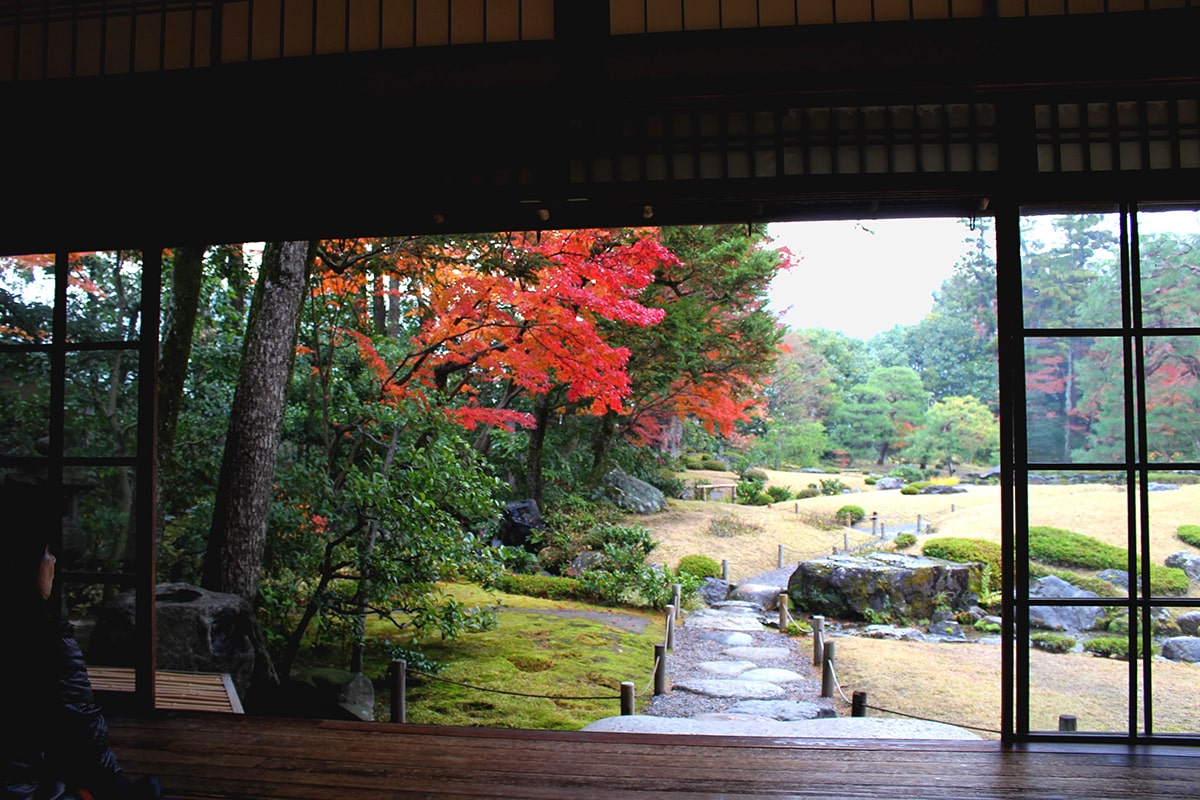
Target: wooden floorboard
254	758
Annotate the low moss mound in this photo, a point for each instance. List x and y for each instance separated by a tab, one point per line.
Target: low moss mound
550	587
1189	534
1065	548
699	566
964	551
1053	642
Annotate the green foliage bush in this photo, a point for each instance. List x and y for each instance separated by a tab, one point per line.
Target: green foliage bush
832	486
1052	642
870	480
699	566
913	488
855	512
904	540
807	492
907	473
1190	534
1113	647
779	494
984	626
550	587
1069	549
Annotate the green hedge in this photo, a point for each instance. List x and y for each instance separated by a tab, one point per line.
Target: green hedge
1052	642
1113	647
550	587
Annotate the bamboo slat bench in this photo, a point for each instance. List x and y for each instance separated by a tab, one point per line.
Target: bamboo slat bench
251	758
194	691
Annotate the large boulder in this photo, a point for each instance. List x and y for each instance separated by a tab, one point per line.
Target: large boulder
1189	623
325	693
1072	619
521	519
888	483
630	494
1182	648
197	631
890	585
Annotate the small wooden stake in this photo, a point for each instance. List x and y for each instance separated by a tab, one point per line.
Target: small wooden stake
399	689
660	669
627	698
858	704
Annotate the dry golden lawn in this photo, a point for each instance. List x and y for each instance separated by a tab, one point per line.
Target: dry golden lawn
952	683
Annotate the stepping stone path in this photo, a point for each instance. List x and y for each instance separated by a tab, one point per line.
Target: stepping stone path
725	657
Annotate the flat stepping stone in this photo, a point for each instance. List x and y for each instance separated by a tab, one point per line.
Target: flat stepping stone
782	710
708	618
771	675
727	667
732	687
759	654
731	638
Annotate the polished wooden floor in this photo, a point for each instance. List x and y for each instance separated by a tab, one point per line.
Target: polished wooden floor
228	756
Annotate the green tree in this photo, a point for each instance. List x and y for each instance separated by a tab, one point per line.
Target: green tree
956	428
881	413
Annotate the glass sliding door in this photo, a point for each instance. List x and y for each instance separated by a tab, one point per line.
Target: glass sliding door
1107	473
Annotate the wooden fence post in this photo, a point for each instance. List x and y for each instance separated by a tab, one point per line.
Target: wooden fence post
670	640
677	598
660	669
858	704
1067	723
781	556
846	542
627	698
783	612
874	523
399	689
918	523
725	570
818	626
828	681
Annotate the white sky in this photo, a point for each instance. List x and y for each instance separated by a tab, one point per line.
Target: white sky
862	278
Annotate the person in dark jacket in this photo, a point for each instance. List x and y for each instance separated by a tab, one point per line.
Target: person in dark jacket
54	737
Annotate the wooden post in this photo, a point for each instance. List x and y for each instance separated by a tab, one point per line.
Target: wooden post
952	508
781	556
725	569
858	704
676	597
797	506
627	698
733	495
399	689
882	532
783	612
874	523
818	626
660	669
827	680
1067	723
846	542
918	523
670	642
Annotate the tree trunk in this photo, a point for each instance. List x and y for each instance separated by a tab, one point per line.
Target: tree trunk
235	546
537	440
178	329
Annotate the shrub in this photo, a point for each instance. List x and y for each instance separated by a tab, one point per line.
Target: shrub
907	473
1176	478
779	494
832	486
951	481
904	540
1190	534
798	627
913	488
984	626
870	480
755	475
808	492
1052	642
855	513
1112	647
699	566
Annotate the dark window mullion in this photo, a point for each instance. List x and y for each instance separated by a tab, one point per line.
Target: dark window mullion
1135	474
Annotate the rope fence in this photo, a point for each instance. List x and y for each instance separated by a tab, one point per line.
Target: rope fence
825	659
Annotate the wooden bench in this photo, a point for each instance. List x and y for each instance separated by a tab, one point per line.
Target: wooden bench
257	758
192	691
706	489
